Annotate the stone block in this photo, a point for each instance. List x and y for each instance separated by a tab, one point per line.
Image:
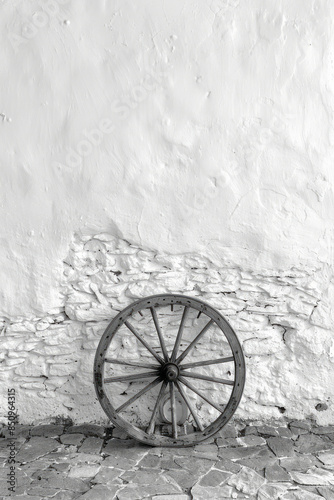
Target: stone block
41	493
206	448
297	463
11	362
300	427
251	440
228	431
214	477
194	465
326	492
171	497
96	313
240	452
35	448
101	492
282	447
228	442
108	475
144	477
213	493
150	462
284	432
271	492
167	463
250	429
324	430
22	431
327	458
227	465
87	430
311	443
267	430
247	481
84	471
72	439
123	455
183	478
51	479
61	370
257	463
144	288
37	386
33	366
78	458
314	476
91	445
47	430
275	473
137	492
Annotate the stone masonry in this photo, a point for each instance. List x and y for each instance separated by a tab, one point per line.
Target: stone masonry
281	317
285	460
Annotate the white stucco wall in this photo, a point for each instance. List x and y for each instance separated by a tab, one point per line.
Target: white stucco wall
198	127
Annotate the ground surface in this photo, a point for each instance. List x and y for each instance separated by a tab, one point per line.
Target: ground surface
87	462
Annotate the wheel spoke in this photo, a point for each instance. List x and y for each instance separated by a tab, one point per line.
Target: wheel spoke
194	342
179	334
128	378
129	363
151	425
205	377
173	408
158	329
190	406
140	393
208	400
205	363
145	344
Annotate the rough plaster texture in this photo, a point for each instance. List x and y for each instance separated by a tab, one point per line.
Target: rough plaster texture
199	129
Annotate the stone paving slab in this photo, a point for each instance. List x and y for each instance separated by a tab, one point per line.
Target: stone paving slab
47	430
294	461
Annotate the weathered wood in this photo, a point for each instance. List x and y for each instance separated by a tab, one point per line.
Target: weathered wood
206	363
150	428
162	368
207	377
158	329
190	406
128	378
179	334
173	409
115	361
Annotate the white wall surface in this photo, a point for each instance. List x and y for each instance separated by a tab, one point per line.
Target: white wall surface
202	127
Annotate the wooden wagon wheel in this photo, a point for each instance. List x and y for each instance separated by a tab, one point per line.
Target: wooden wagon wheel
169	370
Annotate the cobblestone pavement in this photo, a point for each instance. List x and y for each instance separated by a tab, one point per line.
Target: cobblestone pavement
87	462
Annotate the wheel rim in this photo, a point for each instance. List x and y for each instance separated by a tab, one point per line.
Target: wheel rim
169	366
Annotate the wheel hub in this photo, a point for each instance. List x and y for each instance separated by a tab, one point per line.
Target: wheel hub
170	372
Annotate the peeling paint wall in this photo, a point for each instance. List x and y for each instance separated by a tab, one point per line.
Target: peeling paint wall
195	131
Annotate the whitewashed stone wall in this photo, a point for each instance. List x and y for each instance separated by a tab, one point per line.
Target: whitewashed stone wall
199	131
282	319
